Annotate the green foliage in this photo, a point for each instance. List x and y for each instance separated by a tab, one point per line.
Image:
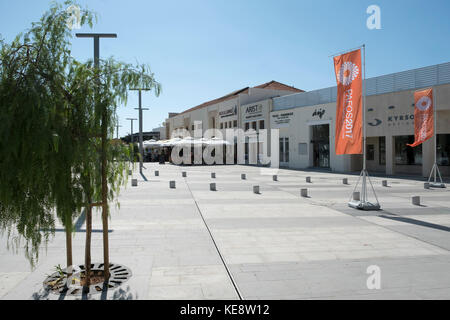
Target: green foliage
51	110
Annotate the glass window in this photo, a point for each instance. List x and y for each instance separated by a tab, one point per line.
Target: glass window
286	149
443	150
382	147
406	155
247	126
226	125
261	124
230	124
281	150
221	125
254	125
370	152
235	123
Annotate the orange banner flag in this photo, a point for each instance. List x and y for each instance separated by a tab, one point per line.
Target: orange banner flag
348	138
423	116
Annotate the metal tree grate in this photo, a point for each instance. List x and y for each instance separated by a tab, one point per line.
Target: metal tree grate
119	274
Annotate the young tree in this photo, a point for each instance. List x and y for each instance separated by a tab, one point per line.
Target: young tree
52	115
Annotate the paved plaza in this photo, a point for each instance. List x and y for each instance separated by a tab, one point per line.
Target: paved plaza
193	243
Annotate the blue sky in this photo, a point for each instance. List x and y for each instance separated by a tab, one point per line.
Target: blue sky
200	50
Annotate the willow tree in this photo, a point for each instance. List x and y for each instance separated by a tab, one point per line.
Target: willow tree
51	116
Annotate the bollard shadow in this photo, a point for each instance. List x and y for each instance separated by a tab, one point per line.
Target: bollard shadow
41	295
119	293
417	222
143	177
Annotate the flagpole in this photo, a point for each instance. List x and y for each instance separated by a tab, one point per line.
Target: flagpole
363	203
364	198
345	51
435	134
435	170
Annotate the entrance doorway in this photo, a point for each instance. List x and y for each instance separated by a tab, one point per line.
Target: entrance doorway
321	145
284	151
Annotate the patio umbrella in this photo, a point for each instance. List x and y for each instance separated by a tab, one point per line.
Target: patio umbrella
218	141
188	141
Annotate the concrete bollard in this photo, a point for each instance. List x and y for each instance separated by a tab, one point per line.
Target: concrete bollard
308	179
156	173
384	183
357	196
275	178
172	185
212	187
304	193
256	189
345	181
213	175
134	183
243	176
426	185
184	174
416	200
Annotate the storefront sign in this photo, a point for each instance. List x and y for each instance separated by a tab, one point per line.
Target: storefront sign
281	120
254	111
318	113
228	113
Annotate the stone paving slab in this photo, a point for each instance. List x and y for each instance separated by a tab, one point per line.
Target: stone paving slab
276	244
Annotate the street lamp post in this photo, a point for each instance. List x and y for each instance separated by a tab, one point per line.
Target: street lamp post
118	126
104	129
132	135
141	137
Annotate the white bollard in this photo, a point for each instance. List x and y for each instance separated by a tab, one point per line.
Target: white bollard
156	173
184	174
345	181
384	183
275	178
212	187
308	179
243	176
213	175
426	185
172	185
357	196
134	183
256	189
304	193
416	200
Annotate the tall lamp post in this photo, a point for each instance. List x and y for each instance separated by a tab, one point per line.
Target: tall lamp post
104	129
141	137
132	135
117	127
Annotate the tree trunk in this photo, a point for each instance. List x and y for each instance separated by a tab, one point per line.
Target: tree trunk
87	252
69	244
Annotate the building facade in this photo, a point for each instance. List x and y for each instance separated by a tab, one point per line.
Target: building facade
223	113
307	122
